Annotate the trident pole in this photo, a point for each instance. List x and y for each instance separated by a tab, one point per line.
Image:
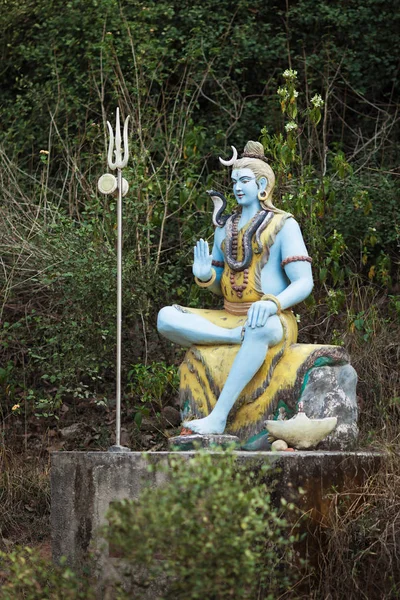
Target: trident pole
119	309
109	184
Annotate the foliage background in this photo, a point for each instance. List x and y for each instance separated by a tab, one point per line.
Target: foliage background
196	77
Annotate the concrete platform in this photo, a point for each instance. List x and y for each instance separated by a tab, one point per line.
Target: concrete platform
83	484
195	441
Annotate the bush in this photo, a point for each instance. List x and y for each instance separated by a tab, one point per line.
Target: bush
24	575
211	531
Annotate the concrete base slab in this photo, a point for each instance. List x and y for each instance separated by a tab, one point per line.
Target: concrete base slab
196	441
83	484
118	448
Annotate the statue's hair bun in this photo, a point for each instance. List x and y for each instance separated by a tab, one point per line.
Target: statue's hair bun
254	150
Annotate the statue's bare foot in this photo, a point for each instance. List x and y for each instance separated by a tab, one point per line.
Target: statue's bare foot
210	424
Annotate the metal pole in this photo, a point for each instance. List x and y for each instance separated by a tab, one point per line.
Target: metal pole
108	184
119	309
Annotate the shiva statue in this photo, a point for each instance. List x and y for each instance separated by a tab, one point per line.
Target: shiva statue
259	264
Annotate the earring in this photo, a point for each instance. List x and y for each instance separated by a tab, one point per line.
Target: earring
262	195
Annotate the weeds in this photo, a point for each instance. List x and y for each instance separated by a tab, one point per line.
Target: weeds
25	574
24	498
360	543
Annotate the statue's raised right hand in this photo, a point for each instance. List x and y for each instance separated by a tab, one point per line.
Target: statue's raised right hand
202	261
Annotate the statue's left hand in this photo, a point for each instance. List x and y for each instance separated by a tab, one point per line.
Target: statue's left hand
259	313
202	261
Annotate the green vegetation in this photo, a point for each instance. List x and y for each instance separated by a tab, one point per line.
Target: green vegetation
211	531
24	574
196	77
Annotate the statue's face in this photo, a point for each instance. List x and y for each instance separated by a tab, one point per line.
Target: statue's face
245	186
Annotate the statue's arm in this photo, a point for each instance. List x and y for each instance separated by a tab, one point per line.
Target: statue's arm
290	243
218	260
204	262
292	250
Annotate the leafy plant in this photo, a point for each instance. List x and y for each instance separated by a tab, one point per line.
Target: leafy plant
211	530
26	575
194	80
150	386
150	383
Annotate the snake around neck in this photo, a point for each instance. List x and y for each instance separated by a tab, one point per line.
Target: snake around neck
256	226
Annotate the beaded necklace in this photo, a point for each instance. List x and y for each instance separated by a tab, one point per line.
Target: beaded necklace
232	249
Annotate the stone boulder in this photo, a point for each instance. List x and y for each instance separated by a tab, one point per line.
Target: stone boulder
331	392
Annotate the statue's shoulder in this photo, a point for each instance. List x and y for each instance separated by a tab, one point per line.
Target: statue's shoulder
284	232
291	239
289	230
282	216
289	225
276	222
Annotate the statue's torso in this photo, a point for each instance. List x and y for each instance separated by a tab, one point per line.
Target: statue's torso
264	275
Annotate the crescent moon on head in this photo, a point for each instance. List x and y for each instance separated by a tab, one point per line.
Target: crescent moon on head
229	163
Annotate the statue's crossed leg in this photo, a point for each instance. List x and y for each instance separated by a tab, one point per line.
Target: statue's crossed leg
187	329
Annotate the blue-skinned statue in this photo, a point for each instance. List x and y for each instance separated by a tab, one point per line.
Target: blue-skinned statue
244	365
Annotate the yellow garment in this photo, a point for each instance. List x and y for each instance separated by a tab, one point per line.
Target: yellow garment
219	360
253	291
205	368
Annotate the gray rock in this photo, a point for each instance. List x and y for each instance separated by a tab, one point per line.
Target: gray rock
70	432
196	441
331	392
171	415
125	438
148	424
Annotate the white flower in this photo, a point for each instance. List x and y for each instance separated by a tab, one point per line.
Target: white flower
317	101
291	126
282	91
290	74
295	93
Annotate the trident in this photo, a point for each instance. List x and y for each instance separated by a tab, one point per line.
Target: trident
108	184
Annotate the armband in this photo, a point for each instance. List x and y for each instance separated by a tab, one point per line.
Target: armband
218	263
295	259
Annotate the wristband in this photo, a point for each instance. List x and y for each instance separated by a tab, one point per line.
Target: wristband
273	299
206	284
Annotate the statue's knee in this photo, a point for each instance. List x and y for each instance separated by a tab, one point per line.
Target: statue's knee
270	334
165	319
274	330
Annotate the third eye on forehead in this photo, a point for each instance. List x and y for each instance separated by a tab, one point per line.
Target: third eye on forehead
244	179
